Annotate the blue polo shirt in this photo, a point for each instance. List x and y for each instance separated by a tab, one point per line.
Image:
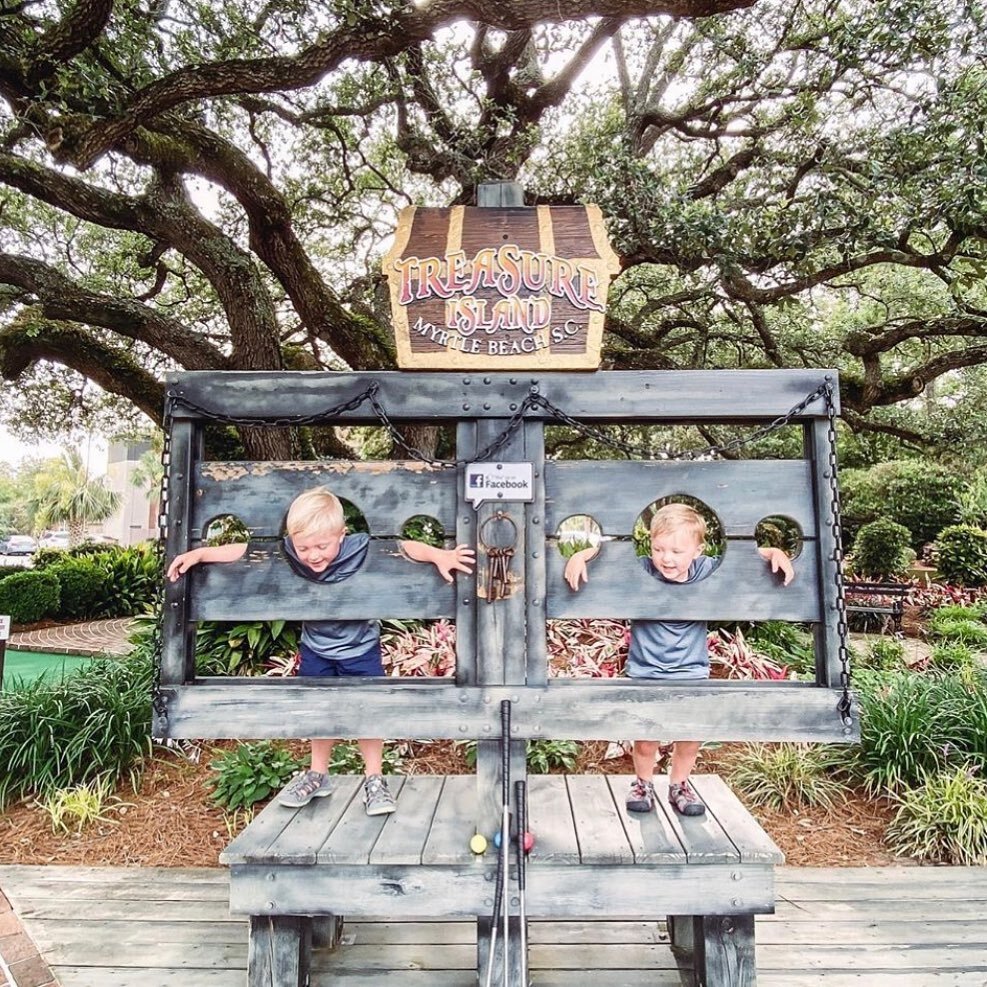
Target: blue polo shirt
663	649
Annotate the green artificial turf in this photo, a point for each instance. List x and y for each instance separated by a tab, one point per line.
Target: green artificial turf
26	666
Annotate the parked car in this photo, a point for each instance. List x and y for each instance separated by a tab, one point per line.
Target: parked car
21	545
55	539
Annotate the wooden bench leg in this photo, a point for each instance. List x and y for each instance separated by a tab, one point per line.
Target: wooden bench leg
681	933
724	951
483	951
327	932
279	951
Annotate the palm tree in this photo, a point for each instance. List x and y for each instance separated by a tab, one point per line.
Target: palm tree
64	493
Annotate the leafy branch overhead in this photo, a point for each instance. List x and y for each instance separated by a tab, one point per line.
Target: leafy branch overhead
212	187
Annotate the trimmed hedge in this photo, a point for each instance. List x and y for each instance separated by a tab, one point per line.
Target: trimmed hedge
962	555
84	584
29	596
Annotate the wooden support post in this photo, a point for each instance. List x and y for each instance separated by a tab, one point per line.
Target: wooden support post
681	933
724	951
279	950
327	932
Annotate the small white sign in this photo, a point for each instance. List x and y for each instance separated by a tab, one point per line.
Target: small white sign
4	628
499	481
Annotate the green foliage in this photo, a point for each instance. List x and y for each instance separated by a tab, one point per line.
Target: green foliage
784	643
789	776
918	494
882	549
943	820
548	755
885	654
251	773
45	557
83	584
917	725
134	578
242	649
7	571
951	657
962	555
29	596
93	724
425	529
958	624
80	806
347	759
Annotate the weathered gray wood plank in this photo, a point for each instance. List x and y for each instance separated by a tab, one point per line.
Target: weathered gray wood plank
652	838
403	841
599	829
277	953
644	396
752	843
352	839
567	708
310	826
741	492
550	819
742	588
466	598
535	560
453	823
701	837
262	586
387	493
259	834
724	950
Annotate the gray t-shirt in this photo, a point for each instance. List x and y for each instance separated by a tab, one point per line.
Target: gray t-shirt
662	649
336	640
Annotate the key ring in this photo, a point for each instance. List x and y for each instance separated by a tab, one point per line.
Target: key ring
498	516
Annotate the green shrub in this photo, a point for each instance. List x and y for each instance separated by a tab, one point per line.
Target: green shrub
952	656
544	755
784	643
958	624
885	654
6	571
242	649
93	724
962	555
789	776
29	596
251	773
134	577
45	557
943	820
918	494
347	759
882	548
83	586
912	726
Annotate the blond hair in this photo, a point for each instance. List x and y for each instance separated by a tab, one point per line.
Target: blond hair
673	517
314	510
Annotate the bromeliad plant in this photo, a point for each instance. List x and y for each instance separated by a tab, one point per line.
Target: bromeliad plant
418	649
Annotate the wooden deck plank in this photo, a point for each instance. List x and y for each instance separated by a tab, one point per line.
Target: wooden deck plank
652	837
263	829
702	837
301	839
403	841
353	837
599	829
752	843
550	819
453	824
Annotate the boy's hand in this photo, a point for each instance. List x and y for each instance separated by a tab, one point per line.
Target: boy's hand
576	570
462	558
181	564
779	562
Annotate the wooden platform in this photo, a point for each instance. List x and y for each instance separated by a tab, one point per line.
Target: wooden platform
880	927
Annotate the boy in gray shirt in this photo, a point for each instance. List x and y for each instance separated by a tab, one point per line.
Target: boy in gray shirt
317	547
671	649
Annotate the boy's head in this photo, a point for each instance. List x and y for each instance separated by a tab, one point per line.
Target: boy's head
316	527
678	537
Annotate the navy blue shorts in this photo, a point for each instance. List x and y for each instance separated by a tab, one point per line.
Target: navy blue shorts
365	665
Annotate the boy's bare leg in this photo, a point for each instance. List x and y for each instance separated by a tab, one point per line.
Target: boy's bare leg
684	756
373	756
643	755
321	753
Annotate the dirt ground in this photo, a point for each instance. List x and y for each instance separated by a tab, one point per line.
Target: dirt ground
171	822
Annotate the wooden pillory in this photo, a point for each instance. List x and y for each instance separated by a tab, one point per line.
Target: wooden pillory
295	872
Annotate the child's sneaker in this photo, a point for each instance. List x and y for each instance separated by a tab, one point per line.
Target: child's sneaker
685	801
303	788
376	796
641	797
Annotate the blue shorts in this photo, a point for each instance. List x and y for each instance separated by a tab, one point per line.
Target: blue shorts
365	665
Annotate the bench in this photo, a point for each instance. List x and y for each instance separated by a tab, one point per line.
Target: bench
886	600
296	872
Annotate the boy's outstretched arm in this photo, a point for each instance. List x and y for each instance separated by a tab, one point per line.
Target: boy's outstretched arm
575	568
779	562
181	564
446	560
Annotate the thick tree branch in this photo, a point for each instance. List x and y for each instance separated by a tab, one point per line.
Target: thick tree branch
80	27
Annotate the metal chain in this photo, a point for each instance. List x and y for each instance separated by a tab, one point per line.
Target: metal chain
845	705
157	643
631	449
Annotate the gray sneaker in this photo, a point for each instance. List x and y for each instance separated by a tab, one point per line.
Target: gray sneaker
303	788
376	796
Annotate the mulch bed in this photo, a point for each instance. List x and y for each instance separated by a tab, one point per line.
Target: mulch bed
170	820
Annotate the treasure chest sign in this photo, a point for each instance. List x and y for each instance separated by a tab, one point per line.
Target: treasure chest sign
495	288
